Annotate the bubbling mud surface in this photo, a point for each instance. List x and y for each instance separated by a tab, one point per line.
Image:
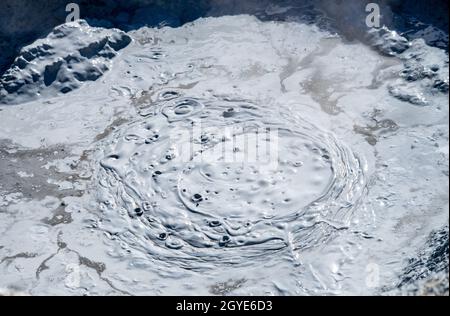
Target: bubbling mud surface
190	188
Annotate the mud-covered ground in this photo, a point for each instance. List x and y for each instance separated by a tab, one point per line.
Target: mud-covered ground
281	154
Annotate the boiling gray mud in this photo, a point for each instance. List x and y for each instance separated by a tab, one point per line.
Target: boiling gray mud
186	186
292	169
193	185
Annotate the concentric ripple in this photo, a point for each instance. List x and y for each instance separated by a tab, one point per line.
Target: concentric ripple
211	182
180	109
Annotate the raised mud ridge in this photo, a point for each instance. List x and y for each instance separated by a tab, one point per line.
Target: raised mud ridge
71	54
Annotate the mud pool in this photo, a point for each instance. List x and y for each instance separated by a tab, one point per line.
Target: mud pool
229	155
